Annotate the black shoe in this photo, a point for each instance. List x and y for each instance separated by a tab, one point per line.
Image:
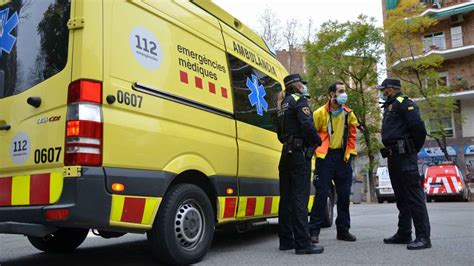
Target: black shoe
419	243
314	238
397	239
287	247
311	249
346	236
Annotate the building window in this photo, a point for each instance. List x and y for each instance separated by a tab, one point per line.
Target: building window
434	3
442	80
249	106
434	41
456	36
437	127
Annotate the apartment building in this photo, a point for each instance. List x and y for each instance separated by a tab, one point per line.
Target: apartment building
453	38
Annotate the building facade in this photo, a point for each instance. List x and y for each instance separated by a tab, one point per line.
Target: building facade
452	38
293	59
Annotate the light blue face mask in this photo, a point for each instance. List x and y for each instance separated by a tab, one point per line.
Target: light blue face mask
304	92
337	112
341	98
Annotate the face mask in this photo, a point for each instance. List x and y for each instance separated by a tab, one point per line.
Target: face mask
337	112
384	96
305	91
342	98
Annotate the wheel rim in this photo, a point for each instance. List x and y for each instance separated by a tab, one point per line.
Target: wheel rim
189	224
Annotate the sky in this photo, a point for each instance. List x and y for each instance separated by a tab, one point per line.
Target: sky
248	11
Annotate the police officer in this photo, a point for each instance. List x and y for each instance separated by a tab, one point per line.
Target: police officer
403	135
299	137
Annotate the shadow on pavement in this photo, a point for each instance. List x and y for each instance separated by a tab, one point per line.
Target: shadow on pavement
138	252
230	239
129	253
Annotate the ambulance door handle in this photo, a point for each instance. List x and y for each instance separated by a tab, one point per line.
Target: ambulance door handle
5	127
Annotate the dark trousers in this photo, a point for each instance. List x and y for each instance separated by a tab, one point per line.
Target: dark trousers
295	182
333	167
408	188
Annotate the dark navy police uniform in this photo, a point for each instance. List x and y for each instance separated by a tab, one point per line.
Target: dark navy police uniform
403	135
299	137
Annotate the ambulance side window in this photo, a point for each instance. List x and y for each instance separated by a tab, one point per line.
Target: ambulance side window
248	104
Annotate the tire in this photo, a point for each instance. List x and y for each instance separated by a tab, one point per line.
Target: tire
172	242
380	200
329	215
466	195
62	241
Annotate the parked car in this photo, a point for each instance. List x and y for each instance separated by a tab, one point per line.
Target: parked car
445	181
384	186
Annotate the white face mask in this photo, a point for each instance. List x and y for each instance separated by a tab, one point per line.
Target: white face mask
304	91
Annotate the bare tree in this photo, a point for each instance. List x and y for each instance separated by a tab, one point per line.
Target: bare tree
292	38
310	36
270	28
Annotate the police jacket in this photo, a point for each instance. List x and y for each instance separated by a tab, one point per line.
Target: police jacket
295	119
402	118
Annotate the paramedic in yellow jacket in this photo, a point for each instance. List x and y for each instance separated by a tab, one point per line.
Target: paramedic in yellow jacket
336	125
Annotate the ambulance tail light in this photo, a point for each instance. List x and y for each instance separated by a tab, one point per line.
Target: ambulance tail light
85	91
84	128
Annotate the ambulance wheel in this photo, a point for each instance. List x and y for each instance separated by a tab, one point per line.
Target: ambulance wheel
184	226
61	241
329	215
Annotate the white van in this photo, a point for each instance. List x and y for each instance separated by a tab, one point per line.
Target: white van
384	186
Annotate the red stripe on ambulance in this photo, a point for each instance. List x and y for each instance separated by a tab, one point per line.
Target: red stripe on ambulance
229	209
267	207
6	191
250	208
39	189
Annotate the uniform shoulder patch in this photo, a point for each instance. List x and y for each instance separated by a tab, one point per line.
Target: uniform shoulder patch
411	108
400	99
306	111
296	97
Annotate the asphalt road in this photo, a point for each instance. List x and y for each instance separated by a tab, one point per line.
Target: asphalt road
452	236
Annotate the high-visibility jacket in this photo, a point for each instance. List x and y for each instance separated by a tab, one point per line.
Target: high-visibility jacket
322	122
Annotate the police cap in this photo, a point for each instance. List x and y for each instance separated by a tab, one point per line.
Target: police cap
293	78
390	83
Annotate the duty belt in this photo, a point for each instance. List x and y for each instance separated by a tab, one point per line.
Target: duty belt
292	144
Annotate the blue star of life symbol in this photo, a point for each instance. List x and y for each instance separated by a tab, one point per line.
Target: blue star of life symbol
257	95
7	40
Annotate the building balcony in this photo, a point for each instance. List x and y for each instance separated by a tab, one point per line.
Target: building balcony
461	95
448	54
439	13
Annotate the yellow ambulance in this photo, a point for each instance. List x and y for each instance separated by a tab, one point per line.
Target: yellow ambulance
134	116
